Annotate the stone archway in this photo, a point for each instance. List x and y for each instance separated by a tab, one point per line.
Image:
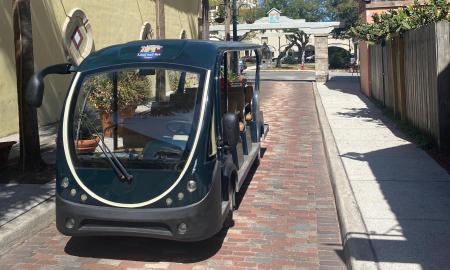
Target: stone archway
321	55
320	31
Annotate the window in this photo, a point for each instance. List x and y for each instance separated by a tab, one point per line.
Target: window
183	34
122	111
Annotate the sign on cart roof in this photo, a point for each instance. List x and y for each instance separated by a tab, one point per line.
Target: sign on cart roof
197	53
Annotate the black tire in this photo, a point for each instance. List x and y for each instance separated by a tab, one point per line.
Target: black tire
232	195
228	223
261	127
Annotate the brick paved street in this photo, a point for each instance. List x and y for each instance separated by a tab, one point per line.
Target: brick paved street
286	218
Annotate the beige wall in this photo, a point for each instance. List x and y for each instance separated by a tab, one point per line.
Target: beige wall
112	21
182	15
8	93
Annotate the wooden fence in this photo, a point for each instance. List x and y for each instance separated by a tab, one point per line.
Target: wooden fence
411	76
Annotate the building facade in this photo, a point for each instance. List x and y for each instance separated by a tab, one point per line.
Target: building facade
56	33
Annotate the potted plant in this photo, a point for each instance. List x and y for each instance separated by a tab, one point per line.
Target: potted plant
86	142
250	18
220	15
5	148
132	90
233	79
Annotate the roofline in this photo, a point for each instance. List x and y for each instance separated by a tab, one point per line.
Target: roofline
279	11
185	52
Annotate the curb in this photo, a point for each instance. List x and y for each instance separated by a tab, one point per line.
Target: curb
27	225
358	250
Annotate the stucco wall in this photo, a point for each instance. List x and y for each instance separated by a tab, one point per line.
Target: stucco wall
8	91
112	21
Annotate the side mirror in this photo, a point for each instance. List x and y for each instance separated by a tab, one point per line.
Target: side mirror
230	129
35	87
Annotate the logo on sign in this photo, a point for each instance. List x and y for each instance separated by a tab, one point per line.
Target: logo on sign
150	51
77	38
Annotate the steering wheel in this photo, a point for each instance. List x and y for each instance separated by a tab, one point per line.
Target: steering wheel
180	127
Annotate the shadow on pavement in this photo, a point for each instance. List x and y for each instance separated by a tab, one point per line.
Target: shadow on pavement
144	249
409	220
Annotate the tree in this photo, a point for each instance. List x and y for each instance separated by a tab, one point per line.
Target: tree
160	34
30	152
396	22
301	39
214	3
283	54
204	20
297	38
347	12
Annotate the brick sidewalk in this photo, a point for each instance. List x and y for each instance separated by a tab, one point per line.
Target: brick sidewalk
286	218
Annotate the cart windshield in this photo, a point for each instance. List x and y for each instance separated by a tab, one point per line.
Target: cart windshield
144	118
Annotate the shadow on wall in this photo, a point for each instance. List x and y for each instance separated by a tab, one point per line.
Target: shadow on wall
6	45
8	90
409	221
190	12
48	50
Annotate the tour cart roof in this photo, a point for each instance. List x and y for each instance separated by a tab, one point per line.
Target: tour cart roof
198	53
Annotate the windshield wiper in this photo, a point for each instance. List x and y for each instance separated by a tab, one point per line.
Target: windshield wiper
168	153
115	163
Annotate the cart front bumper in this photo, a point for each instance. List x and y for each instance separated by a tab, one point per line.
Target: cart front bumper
203	219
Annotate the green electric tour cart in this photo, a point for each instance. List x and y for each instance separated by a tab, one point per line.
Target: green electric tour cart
155	139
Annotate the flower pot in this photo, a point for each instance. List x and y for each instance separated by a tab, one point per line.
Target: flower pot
86	146
249	21
5	148
108	124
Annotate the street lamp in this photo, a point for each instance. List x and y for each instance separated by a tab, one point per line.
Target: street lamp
221	18
234	9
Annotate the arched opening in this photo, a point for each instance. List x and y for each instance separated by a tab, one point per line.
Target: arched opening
310	54
183	34
338	57
146	31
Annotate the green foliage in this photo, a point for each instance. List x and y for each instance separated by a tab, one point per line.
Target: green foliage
231	76
246	15
132	90
290	60
338	58
214	3
347	12
396	22
191	80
